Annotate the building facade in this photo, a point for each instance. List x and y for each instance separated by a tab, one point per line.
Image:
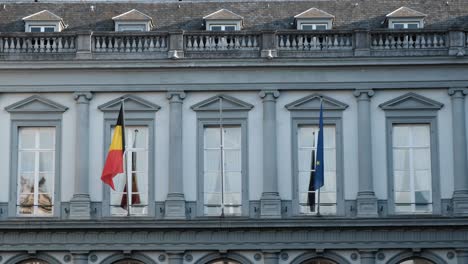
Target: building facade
222	107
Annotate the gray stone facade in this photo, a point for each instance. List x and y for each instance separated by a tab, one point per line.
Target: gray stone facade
269	80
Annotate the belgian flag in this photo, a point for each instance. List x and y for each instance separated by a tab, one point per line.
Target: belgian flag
115	161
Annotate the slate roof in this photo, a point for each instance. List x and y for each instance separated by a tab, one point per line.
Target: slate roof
349	14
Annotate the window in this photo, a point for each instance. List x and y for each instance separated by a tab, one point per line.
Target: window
222	156
307	140
222	172
304	126
36	171
314	26
222	27
412	155
412	168
41	28
35	157
136	160
405	25
139	158
131	27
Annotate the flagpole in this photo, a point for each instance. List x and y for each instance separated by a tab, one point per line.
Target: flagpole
125	155
318	198
221	137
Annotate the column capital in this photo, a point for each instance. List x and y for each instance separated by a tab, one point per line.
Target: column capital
363	93
269	95
458	91
175	96
82	97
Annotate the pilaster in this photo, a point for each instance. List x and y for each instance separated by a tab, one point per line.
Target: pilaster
270	202
80	204
366	199
460	169
175	202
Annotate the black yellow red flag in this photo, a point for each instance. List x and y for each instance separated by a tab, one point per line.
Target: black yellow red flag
115	161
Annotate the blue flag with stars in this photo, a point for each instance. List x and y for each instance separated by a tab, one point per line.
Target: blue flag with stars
317	172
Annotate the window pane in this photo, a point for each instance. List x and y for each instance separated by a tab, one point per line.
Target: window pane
307	27
321	27
422	159
216	28
398	26
400	136
35	29
306	136
422	180
232	182
27	161
212	182
46	161
413	26
421	135
403	197
46	182
26	183
401	159
305	160
401	180
49	29
212	137
27	138
232	160
232	137
230	28
47	138
212	160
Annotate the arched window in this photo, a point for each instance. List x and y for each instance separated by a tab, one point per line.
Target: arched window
33	261
416	261
128	261
319	261
224	261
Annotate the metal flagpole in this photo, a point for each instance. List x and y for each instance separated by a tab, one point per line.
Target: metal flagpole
221	137
126	156
318	198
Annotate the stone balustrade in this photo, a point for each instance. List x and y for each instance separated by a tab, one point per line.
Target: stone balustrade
234	44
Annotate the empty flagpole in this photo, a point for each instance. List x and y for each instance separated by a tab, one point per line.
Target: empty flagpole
221	138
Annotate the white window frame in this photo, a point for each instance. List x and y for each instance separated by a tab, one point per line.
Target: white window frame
43	24
411	148
328	22
129	150
405	23
223	23
314	26
223	27
224	206
299	171
132	26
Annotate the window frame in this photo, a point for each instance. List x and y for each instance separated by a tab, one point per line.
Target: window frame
223	27
220	22
314	26
16	124
131	119
42	25
145	26
317	21
312	118
229	119
305	111
405	22
402	117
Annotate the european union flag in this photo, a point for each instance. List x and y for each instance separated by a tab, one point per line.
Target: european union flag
317	173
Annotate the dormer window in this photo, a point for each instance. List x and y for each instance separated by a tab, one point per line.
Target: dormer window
405	18
133	20
223	20
314	19
44	21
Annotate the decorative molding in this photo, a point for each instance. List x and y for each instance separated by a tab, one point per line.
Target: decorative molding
119	256
36	104
217	255
132	104
421	254
229	104
312	102
458	91
176	96
411	101
32	255
264	94
82	97
367	92
322	255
